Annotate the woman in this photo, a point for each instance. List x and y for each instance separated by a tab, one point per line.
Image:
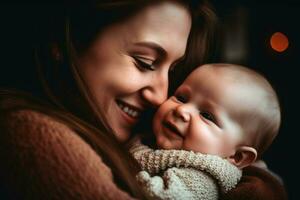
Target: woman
100	72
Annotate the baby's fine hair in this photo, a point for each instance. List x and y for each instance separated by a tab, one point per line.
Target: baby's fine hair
267	114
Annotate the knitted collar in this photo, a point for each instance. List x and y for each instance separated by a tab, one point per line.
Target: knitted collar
155	161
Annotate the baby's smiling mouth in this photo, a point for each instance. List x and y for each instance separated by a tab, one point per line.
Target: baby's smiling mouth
172	128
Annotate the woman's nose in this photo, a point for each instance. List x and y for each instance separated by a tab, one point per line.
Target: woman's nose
156	90
183	112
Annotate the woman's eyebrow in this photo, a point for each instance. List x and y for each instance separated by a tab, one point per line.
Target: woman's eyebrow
152	45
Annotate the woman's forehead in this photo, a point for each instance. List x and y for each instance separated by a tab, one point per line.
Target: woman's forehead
166	24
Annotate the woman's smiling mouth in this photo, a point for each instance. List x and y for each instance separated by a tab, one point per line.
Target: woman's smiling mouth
131	111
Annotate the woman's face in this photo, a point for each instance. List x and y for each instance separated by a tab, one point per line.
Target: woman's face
126	68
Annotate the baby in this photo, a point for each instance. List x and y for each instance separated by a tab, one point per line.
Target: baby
220	120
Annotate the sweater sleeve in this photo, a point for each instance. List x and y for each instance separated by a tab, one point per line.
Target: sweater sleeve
42	158
179	184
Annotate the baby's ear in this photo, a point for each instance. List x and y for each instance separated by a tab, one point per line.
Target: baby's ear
243	157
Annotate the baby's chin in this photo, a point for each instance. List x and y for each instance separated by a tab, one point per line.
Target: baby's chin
164	143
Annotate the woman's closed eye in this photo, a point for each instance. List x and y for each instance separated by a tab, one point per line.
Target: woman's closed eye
144	63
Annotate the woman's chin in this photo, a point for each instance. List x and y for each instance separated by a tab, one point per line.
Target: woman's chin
121	135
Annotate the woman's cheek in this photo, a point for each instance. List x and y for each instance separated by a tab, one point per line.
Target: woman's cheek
126	82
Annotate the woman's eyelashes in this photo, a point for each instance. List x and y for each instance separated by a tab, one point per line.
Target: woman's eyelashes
149	64
144	63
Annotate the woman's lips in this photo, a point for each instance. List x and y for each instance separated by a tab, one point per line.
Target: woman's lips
131	112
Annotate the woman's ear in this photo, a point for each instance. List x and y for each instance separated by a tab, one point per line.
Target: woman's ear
243	157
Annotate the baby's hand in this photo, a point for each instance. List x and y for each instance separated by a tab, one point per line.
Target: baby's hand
154	183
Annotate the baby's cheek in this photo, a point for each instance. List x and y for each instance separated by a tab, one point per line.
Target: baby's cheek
163	142
160	141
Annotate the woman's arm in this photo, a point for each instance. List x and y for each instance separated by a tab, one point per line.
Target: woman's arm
44	159
257	184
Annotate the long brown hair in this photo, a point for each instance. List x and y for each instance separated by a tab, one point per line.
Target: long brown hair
65	95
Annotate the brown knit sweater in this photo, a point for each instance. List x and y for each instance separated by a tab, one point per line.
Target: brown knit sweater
42	158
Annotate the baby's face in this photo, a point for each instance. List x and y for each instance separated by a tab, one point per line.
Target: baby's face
201	115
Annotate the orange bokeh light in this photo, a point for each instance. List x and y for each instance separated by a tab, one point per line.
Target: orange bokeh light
279	42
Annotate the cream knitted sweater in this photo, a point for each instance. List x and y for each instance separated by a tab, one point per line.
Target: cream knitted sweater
180	174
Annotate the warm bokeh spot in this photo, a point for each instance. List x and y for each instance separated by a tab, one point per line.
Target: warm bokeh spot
279	42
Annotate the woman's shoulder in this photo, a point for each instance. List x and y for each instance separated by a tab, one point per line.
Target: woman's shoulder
27	127
43	155
257	183
23	120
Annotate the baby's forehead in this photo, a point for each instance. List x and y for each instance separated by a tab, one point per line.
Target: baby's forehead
234	85
208	76
226	73
207	72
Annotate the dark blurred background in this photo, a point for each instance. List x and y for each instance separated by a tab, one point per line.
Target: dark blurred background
246	29
245	32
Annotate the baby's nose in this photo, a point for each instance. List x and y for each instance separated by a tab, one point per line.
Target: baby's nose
183	112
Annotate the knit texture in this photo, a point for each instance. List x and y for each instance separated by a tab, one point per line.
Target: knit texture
45	159
186	175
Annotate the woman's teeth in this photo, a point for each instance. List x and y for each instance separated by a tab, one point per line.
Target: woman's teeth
130	111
